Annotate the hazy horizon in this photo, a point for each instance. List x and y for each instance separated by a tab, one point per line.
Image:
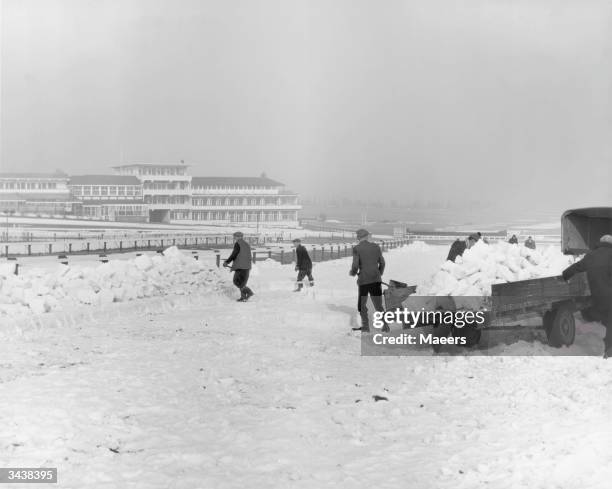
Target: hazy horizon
503	102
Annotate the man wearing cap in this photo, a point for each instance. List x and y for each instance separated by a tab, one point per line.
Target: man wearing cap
303	265
597	264
241	266
368	265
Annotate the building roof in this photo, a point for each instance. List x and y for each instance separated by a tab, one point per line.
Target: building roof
28	196
235	181
154	165
104	180
56	175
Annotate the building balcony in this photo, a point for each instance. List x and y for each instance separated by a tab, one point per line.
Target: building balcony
164	178
284	207
239	191
166	191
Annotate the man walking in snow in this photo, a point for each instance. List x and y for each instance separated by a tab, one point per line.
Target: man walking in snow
597	264
241	266
303	265
368	265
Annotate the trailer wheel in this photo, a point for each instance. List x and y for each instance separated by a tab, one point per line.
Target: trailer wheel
562	328
547	320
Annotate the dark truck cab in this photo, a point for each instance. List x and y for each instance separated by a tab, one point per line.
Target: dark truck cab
582	228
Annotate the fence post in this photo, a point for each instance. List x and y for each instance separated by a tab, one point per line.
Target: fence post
254	256
120	245
69	247
6	250
282	257
218	260
88	246
50	248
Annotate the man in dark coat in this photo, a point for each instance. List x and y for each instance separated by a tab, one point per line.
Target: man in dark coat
303	265
456	249
241	265
597	264
513	239
530	243
368	265
460	245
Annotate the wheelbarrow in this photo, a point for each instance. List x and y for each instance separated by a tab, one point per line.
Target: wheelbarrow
396	293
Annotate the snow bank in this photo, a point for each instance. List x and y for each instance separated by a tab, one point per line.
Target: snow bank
416	247
486	264
37	291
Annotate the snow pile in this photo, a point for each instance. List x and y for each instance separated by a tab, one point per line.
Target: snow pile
38	291
486	264
416	247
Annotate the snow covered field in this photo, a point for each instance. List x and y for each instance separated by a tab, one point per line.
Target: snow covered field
189	389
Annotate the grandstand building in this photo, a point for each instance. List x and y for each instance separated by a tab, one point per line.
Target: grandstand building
110	197
243	200
36	193
152	193
166	190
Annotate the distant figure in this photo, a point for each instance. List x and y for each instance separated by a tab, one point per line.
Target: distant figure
530	243
460	245
303	265
456	249
368	265
241	258
597	264
513	239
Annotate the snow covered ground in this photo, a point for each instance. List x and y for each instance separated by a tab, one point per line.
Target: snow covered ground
198	391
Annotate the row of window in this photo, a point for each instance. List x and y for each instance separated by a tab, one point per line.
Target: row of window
118	210
165	186
28	185
165	199
242	201
237	216
102	190
154	171
232	188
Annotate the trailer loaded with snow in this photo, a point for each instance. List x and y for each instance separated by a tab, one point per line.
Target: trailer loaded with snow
511	304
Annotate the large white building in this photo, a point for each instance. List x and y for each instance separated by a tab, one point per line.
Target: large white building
36	193
243	200
166	190
153	193
110	197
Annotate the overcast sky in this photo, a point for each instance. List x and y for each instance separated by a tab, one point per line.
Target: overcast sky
508	100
